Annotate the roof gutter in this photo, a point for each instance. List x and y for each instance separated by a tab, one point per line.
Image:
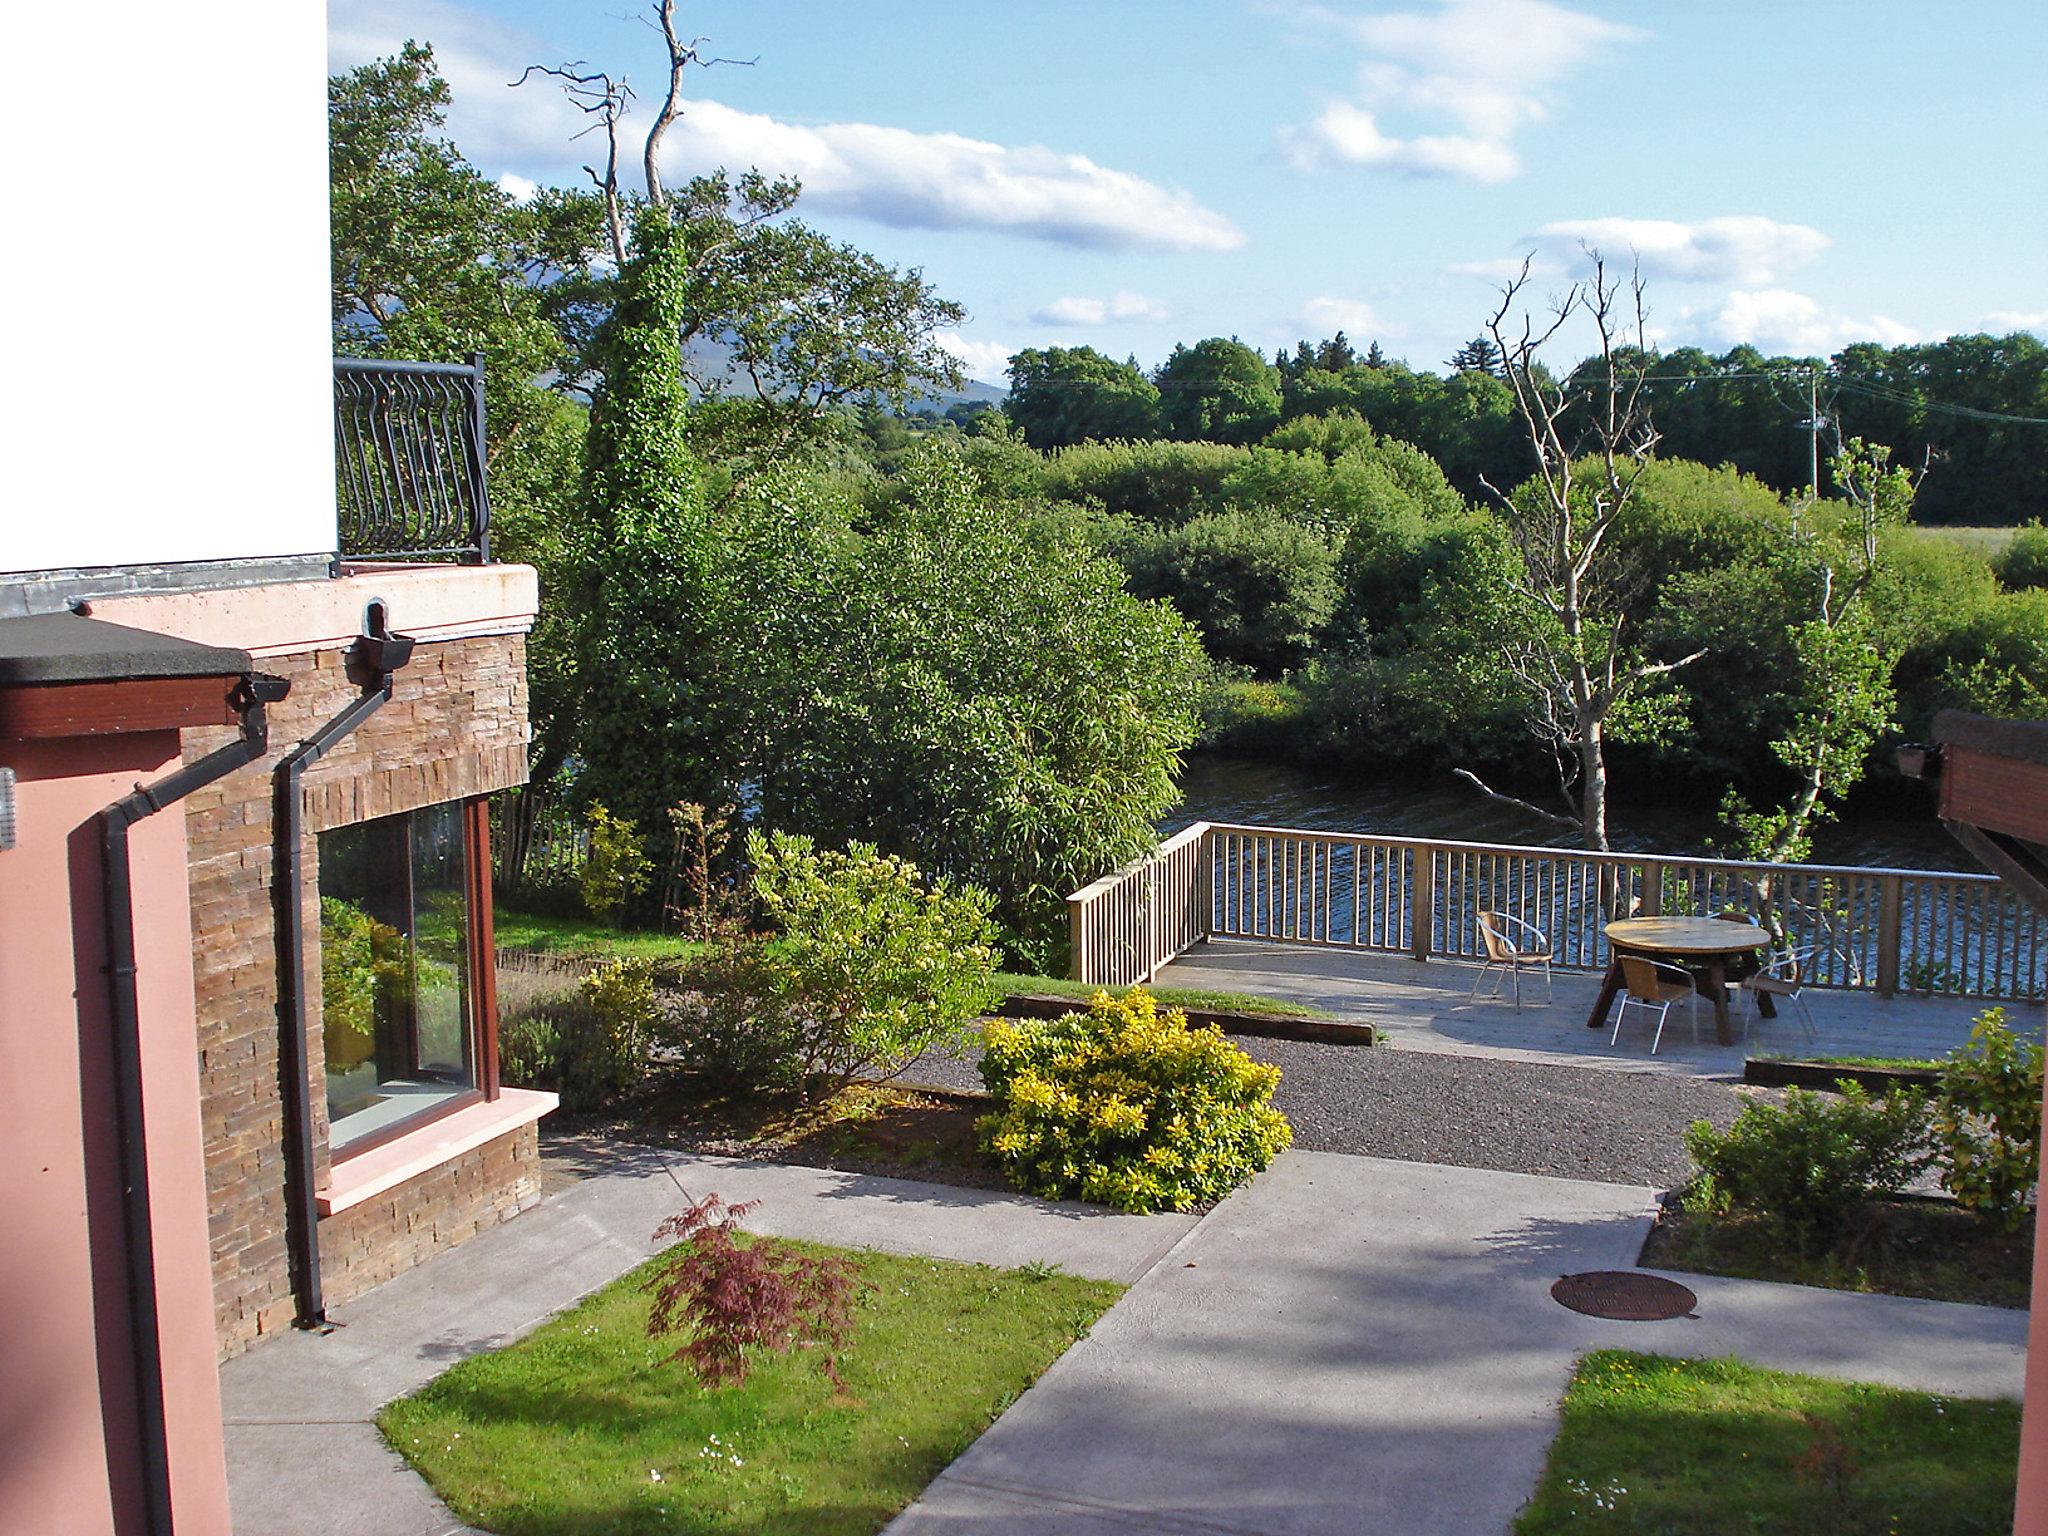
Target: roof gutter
251	695
375	656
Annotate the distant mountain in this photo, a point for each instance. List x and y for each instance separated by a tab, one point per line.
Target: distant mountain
708	356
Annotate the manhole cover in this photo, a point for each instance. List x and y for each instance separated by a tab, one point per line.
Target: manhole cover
1624	1296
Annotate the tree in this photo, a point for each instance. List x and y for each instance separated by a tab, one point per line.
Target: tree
1479	355
650	589
1260	587
1219	390
972	689
1840	687
1580	674
1060	396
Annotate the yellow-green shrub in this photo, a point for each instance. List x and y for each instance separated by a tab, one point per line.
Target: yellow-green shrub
1127	1106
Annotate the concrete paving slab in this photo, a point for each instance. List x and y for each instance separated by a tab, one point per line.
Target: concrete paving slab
1357	1345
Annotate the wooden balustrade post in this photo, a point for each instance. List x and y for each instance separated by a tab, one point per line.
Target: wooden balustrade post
1422	903
1077	928
1890	935
1653	890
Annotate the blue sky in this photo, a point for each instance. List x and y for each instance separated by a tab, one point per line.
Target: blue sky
1132	173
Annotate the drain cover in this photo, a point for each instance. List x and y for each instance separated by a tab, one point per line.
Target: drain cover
1624	1295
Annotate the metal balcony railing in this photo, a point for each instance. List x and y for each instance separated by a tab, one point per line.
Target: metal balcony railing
409	460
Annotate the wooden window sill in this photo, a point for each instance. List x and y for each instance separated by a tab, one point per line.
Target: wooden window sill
371	1173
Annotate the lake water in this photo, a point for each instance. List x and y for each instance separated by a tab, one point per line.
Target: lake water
1280	795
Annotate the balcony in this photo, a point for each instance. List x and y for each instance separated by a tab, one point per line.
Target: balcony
409	467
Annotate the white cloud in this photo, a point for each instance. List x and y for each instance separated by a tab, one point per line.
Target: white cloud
2004	322
1779	320
1487	69
1326	313
988	361
1504	269
1746	249
517	187
1123	306
890	175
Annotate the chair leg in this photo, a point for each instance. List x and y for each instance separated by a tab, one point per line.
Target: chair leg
1806	1016
1693	1007
1549	982
1620	1018
1516	972
1479	981
1657	1039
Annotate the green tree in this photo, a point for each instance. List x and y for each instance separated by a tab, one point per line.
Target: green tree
1479	355
1218	390
1259	586
1065	395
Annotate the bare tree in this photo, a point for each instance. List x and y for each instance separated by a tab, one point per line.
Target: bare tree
596	94
681	55
1573	657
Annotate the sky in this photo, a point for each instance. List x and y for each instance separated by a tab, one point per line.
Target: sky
1128	174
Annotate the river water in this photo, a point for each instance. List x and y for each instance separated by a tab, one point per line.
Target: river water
1281	795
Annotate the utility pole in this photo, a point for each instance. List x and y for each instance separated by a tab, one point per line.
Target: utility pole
1811	426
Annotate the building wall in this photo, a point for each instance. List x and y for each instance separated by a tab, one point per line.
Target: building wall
67	1391
156	440
367	1244
456	726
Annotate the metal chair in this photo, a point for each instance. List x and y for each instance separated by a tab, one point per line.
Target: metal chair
1654	986
1782	976
1511	945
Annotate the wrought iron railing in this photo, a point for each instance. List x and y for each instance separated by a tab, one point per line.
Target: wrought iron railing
409	460
1885	930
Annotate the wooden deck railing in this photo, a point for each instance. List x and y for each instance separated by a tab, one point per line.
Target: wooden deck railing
1884	930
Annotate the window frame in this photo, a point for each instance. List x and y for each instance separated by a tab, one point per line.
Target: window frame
481	974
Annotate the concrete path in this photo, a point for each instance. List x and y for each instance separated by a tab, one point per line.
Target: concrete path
1425	1006
1351	1344
1354	1345
305	1458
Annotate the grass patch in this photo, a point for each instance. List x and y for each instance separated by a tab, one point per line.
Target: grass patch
1889	1063
564	1433
1169	997
1988	542
580	938
1925	1248
1707	1447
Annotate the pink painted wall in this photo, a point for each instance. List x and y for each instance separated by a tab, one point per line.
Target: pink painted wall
67	1430
2030	1516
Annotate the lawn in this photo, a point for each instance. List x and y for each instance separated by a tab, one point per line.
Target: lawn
1929	1248
579	938
1889	1063
1716	1447
578	1430
1169	997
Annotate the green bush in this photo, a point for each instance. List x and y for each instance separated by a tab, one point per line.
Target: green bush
1810	1165
1260	587
529	1051
2024	562
605	1038
732	1025
617	869
873	965
1127	1106
1987	1121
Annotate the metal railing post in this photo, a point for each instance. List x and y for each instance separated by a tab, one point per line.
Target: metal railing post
479	480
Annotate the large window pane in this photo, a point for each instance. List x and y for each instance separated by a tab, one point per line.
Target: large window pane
394	974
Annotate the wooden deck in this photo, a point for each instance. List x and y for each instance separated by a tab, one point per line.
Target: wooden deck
1422	1005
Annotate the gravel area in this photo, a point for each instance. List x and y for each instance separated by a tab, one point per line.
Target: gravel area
1570	1122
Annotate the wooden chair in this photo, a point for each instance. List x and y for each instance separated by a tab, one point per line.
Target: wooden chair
1782	976
1511	946
1656	987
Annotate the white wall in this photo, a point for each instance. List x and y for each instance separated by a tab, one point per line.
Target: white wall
167	393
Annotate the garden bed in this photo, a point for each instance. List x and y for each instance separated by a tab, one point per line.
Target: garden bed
1877	1073
577	1429
899	1133
1707	1447
1266	1022
1905	1247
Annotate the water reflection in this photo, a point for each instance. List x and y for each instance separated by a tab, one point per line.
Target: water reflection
1279	795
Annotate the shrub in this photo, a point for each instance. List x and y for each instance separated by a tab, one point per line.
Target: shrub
1810	1165
2024	562
732	1025
604	1039
617	868
1127	1106
1260	588
1987	1121
874	965
732	1298
529	1051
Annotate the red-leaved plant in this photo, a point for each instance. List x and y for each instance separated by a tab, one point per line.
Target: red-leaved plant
729	1297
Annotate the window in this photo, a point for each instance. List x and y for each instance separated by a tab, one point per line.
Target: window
404	970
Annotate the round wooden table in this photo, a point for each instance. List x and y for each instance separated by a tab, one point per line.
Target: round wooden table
1701	946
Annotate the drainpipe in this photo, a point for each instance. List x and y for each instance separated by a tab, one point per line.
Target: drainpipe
374	657
118	895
